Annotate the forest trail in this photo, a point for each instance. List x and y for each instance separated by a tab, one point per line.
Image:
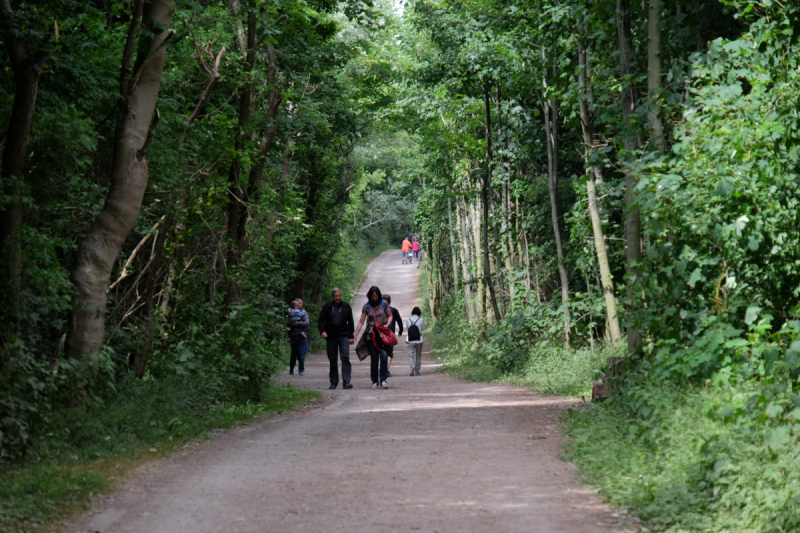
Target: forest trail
431	453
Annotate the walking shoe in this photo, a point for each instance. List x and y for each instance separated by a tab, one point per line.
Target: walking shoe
347	385
302	373
333	386
416	373
384	385
412	373
291	371
374	385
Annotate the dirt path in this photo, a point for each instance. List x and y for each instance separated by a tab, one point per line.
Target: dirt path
431	453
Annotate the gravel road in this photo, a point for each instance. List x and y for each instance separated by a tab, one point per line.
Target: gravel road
430	453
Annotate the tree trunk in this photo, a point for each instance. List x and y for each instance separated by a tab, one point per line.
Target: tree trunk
654	76
594	205
465	262
551	131
630	98
453	248
136	127
27	69
487	183
479	263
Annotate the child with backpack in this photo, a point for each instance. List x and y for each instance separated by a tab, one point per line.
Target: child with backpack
414	327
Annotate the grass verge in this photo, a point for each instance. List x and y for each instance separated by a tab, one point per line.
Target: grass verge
681	468
546	370
45	490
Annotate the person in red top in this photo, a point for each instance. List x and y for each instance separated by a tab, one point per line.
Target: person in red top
406	250
415	249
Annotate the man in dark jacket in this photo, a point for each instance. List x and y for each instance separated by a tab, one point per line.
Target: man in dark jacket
336	327
397	321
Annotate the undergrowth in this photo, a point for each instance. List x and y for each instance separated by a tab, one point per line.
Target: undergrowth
683	469
89	448
546	369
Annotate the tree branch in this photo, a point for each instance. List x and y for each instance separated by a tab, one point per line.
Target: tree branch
127	52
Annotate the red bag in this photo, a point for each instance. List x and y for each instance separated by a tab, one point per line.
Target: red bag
388	337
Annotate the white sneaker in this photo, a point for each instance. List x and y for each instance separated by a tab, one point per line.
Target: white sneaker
375	385
384	385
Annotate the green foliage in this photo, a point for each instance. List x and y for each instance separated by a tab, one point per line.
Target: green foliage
680	466
509	355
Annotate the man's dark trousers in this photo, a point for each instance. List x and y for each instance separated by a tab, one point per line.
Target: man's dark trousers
336	348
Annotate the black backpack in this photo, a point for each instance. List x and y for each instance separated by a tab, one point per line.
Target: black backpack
413	331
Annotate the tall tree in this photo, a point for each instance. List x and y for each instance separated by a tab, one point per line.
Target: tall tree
487	183
136	126
241	190
595	176
654	76
550	109
27	62
630	99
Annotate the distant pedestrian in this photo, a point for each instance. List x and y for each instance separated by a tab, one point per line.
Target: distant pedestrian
376	310
297	338
414	327
406	250
336	327
415	249
396	321
304	347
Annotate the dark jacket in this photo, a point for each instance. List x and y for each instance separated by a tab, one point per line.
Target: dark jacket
346	327
297	328
397	320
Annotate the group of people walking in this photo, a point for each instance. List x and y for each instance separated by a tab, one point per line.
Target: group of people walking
411	249
336	325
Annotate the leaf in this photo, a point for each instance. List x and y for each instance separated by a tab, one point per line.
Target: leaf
751	315
774	410
741	222
696	276
724	187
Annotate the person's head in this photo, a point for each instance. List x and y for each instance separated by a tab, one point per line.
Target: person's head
299	303
416	311
293	304
388	298
337	295
374	295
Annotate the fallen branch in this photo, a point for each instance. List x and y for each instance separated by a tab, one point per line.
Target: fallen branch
124	273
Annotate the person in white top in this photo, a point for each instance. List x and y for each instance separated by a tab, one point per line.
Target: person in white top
414	327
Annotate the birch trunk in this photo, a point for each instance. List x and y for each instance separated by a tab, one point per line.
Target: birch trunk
466	262
453	249
479	263
594	206
487	182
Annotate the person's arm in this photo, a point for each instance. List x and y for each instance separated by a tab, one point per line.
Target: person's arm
321	322
361	322
350	324
398	319
303	322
